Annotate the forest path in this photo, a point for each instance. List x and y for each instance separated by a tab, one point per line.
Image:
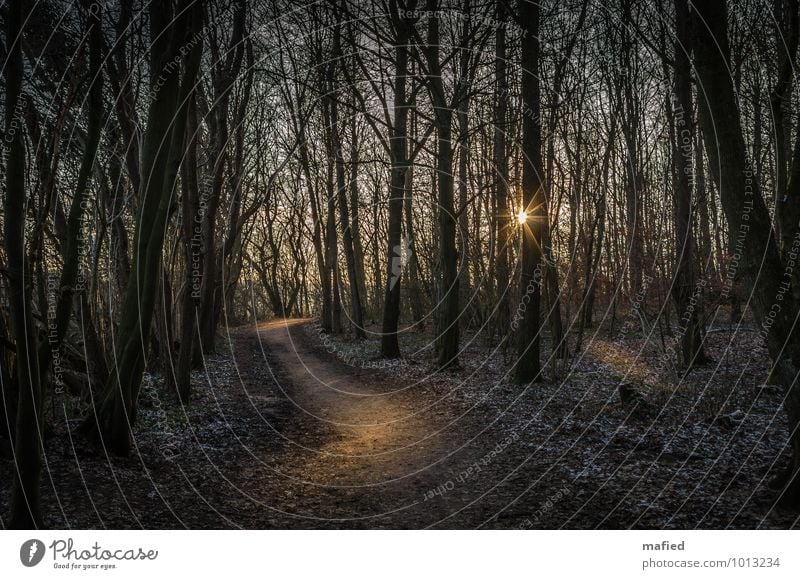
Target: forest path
356	449
353	418
284	434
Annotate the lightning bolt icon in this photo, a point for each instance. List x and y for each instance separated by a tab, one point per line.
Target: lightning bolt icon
34	548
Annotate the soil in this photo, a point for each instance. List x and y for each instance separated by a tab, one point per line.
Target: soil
291	429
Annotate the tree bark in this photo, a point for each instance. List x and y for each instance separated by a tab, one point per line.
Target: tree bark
398	148
502	217
748	219
357	320
528	366
685	292
25	498
786	34
447	315
192	237
226	68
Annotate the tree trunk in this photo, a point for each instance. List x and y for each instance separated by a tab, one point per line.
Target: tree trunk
447	314
225	70
447	294
684	291
747	215
357	320
528	366
502	217
355	223
70	276
25	498
786	35
192	241
463	191
398	147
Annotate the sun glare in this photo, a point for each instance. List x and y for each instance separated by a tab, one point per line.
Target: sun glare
522	216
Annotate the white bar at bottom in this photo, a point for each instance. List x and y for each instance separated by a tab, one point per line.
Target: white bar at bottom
400	554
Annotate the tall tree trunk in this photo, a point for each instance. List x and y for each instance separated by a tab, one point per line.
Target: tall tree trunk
317	232
463	191
398	149
334	322
414	286
786	36
446	341
355	223
502	217
684	291
528	366
192	234
560	344
25	498
230	257
747	215
705	255
634	180
225	70
447	293
341	187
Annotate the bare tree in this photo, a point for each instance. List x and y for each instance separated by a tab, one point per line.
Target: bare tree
534	202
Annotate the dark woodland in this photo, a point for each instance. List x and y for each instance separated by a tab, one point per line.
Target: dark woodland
372	264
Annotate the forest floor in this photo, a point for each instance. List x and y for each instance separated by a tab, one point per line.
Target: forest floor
291	429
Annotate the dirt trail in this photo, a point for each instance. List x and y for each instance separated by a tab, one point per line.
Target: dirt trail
282	434
352	418
370	449
358	450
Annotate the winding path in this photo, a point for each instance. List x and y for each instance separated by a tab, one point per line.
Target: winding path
361	450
